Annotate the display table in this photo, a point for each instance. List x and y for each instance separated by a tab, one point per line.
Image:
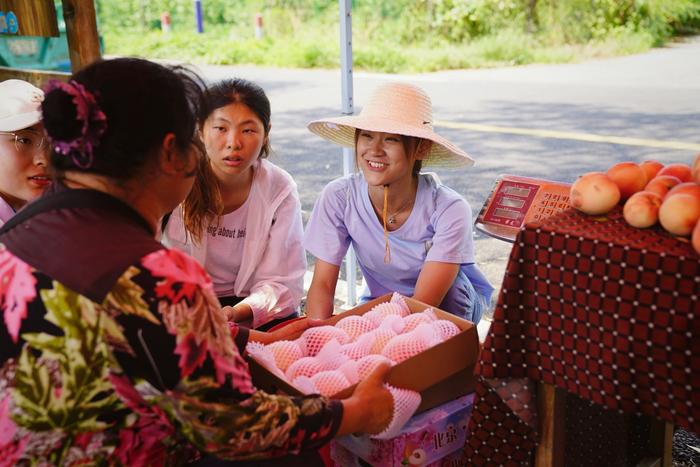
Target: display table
594	308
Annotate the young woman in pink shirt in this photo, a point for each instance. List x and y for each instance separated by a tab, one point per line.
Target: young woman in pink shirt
242	221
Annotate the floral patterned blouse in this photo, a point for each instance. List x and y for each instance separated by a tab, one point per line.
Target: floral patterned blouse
114	350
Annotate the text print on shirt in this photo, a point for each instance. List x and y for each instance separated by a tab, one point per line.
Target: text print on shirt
214	231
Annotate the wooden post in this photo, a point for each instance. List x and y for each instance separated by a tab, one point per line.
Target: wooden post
551	404
81	29
662	441
35	18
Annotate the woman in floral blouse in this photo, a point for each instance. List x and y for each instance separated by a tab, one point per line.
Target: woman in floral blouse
114	349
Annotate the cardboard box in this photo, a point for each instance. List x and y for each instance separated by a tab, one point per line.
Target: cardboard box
341	457
442	373
425	440
456	459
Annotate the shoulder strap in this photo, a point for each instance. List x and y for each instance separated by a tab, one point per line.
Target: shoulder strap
164	221
70	199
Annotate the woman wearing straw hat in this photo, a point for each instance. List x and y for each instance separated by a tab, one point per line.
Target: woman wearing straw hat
23	153
412	234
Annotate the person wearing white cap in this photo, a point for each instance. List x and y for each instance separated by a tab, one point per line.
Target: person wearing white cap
23	150
411	234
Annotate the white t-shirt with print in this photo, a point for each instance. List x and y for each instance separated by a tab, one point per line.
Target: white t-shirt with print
225	243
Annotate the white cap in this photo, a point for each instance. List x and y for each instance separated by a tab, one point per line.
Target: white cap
20	105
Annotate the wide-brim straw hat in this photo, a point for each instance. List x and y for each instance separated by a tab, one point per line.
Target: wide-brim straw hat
397	108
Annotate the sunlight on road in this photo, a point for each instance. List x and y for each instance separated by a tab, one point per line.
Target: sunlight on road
650	143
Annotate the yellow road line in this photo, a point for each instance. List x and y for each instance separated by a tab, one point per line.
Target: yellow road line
651	143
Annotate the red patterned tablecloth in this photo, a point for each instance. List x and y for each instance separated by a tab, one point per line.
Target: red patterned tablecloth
605	311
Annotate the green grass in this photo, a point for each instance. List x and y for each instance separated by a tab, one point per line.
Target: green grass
398	36
311	50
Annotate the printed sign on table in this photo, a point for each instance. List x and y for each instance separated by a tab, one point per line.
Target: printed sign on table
516	200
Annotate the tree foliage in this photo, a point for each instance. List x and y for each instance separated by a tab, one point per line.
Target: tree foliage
454	21
396	35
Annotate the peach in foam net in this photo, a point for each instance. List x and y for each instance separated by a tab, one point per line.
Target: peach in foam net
306	366
315	338
285	353
389	308
367	364
381	337
358	349
330	382
393	322
445	329
350	370
412	321
355	325
305	385
330	356
405	346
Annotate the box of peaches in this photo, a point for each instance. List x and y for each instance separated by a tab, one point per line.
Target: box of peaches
431	352
652	193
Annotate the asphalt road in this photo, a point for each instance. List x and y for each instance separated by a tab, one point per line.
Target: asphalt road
547	121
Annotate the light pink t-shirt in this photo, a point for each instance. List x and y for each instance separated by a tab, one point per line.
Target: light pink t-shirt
225	243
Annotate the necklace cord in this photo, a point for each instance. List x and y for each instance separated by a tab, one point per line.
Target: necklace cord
391	218
387	250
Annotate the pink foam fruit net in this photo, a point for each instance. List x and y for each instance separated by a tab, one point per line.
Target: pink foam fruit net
327	359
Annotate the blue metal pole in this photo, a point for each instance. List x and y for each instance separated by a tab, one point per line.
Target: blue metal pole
198	15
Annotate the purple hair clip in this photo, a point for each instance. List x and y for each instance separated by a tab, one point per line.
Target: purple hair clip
94	123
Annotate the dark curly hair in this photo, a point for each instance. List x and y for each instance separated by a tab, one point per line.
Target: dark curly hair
142	101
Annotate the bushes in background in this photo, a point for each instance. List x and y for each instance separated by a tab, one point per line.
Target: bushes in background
397	35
